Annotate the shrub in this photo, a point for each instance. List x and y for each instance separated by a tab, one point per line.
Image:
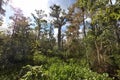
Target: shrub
38	58
73	72
32	73
56	69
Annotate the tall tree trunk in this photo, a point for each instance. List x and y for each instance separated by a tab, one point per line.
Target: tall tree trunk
98	53
117	32
39	25
111	2
59	37
84	32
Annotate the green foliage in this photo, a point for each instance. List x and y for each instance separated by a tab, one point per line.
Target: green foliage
117	59
32	73
73	72
59	70
8	77
38	58
118	74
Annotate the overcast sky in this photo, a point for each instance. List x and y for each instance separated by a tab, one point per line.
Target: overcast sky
29	6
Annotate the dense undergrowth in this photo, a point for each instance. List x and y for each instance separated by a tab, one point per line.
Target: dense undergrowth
52	68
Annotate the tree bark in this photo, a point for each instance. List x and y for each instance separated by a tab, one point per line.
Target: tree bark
111	2
84	32
59	37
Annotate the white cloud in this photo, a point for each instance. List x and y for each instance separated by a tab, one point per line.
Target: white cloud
28	6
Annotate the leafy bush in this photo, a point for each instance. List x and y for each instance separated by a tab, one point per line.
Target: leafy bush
60	70
38	58
118	74
32	73
73	72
